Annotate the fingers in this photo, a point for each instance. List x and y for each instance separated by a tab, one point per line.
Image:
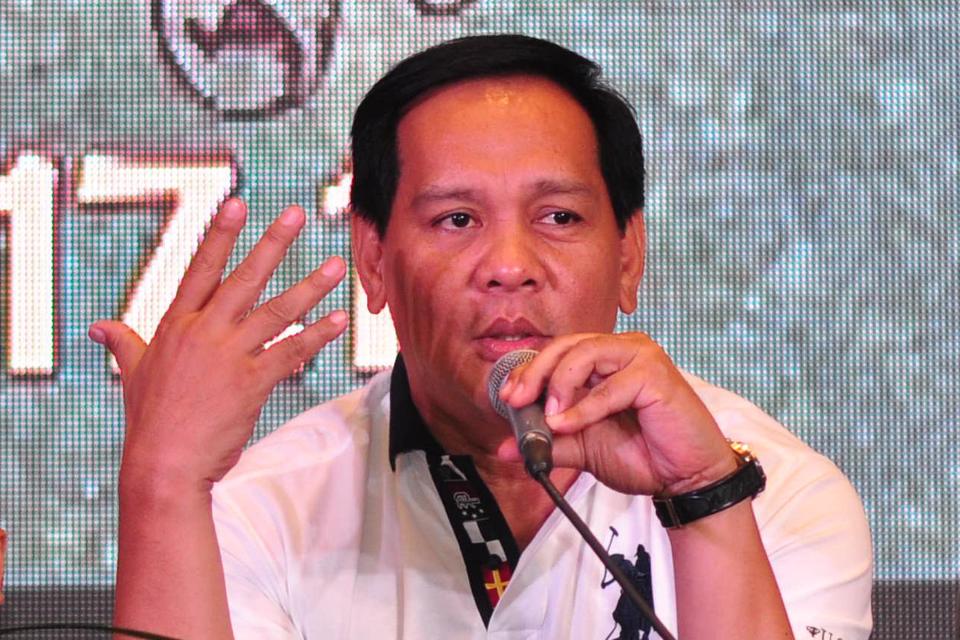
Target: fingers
242	288
525	383
608	366
567	365
122	341
567	452
284	357
206	269
615	394
278	313
586	378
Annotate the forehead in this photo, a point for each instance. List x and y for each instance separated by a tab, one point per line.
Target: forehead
493	120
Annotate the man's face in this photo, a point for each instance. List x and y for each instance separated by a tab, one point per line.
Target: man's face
501	236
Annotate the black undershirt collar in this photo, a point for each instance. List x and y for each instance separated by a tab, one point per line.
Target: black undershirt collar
486	543
408	431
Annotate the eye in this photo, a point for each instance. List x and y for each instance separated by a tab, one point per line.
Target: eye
457	220
561	218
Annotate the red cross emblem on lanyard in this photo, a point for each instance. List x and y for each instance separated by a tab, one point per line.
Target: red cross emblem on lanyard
496	580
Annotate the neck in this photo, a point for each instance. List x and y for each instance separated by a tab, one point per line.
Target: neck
522	501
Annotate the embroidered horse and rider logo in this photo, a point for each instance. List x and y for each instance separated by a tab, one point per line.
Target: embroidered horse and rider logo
626	617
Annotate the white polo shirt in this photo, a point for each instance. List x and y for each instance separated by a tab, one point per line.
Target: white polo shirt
321	538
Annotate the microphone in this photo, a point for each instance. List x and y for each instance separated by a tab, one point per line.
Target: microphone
533	435
536	446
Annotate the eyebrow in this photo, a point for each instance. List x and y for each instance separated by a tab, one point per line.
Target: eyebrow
434	193
544	187
566	187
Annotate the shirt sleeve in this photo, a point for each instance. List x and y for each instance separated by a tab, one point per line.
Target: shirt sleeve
817	539
255	586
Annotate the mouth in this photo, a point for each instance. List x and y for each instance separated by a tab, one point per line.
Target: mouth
504	336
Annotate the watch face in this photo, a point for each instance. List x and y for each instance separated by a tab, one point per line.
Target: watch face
249	58
742	449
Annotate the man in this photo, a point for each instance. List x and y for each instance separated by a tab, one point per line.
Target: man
497	197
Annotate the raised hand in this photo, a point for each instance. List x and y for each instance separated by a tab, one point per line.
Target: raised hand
193	395
621	410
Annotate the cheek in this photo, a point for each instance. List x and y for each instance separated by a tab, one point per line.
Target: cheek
421	300
591	292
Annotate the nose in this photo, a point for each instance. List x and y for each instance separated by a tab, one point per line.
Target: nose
511	261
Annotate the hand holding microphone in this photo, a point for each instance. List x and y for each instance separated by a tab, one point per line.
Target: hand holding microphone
535	443
613	405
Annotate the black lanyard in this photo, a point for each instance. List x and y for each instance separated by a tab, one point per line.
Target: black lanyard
489	551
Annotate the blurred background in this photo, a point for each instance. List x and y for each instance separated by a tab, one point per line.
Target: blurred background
802	157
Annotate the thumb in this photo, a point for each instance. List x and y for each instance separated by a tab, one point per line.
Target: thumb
122	341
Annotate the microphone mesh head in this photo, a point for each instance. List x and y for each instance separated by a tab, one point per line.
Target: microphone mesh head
501	369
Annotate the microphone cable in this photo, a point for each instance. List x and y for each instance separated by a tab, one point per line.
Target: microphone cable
628	587
83	626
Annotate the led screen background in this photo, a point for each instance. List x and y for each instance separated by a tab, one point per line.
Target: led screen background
803	162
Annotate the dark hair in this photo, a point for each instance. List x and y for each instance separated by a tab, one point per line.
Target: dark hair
374	131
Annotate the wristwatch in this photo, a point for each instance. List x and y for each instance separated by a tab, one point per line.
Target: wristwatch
746	482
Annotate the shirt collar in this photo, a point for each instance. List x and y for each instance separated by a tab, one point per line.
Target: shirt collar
408	431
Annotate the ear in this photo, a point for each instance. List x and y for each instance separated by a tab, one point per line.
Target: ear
633	247
367	249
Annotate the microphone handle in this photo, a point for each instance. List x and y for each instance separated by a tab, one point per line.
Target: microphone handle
533	437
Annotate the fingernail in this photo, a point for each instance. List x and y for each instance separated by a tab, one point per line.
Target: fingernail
292	217
551	406
232	210
338	317
97	335
506	387
332	267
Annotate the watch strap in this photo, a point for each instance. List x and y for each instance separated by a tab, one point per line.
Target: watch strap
746	482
